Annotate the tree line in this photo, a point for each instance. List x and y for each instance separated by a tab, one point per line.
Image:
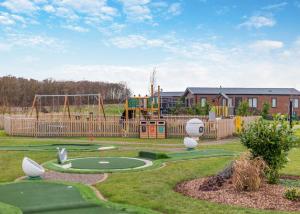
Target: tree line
20	92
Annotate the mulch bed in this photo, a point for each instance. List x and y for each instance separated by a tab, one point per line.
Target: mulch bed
89	179
269	197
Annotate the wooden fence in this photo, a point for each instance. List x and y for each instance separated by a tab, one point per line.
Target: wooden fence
1	121
22	126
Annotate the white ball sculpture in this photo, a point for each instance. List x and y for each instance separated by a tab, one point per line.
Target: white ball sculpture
194	128
31	168
190	143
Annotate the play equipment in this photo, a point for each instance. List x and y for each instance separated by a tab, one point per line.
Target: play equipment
143	107
195	129
62	155
91	103
100	164
31	168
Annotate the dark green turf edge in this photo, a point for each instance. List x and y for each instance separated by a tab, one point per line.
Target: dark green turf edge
92	200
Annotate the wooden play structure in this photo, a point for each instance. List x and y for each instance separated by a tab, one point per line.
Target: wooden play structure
81	103
147	107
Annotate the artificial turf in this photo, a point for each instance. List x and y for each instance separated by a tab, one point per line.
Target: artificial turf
107	163
201	154
45	197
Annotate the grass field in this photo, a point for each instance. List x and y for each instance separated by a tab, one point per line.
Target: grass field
152	189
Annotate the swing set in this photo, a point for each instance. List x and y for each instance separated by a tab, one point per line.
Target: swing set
70	103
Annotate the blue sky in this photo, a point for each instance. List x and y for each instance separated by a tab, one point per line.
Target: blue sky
249	43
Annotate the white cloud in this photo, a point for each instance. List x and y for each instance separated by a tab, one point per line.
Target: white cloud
20	6
49	8
258	22
10	19
266	45
76	28
175	9
39	41
275	6
137	10
136	41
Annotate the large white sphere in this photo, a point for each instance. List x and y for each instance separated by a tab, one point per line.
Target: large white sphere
190	143
194	127
31	168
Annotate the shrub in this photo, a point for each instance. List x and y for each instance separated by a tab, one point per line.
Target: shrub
248	173
292	194
271	141
243	109
153	155
265	110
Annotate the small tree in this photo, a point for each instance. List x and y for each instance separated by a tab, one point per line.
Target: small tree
265	110
243	109
271	141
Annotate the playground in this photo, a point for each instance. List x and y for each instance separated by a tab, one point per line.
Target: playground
68	159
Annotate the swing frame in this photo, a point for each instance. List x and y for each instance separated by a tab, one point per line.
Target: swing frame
37	102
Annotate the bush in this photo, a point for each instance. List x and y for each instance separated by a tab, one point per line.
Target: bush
265	110
271	141
292	194
248	173
153	155
243	109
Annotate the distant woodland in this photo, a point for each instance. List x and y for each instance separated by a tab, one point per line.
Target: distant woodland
20	91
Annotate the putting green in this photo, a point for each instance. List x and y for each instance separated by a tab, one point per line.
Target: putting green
45	197
52	147
100	164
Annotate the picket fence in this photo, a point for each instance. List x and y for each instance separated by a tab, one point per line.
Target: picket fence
25	126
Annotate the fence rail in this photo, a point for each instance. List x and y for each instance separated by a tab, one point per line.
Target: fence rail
113	127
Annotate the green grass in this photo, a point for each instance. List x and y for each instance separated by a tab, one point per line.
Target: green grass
9	209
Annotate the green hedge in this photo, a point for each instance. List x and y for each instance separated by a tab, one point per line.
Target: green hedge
153	155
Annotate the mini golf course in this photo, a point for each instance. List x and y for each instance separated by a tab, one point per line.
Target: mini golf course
99	164
46	197
52	147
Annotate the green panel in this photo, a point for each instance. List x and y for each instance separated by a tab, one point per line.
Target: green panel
133	102
161	129
154	100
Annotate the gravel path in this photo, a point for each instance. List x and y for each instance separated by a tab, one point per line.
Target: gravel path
88	179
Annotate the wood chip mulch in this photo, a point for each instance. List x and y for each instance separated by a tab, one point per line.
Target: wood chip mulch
268	197
89	179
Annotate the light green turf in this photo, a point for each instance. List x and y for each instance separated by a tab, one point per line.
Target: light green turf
9	209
